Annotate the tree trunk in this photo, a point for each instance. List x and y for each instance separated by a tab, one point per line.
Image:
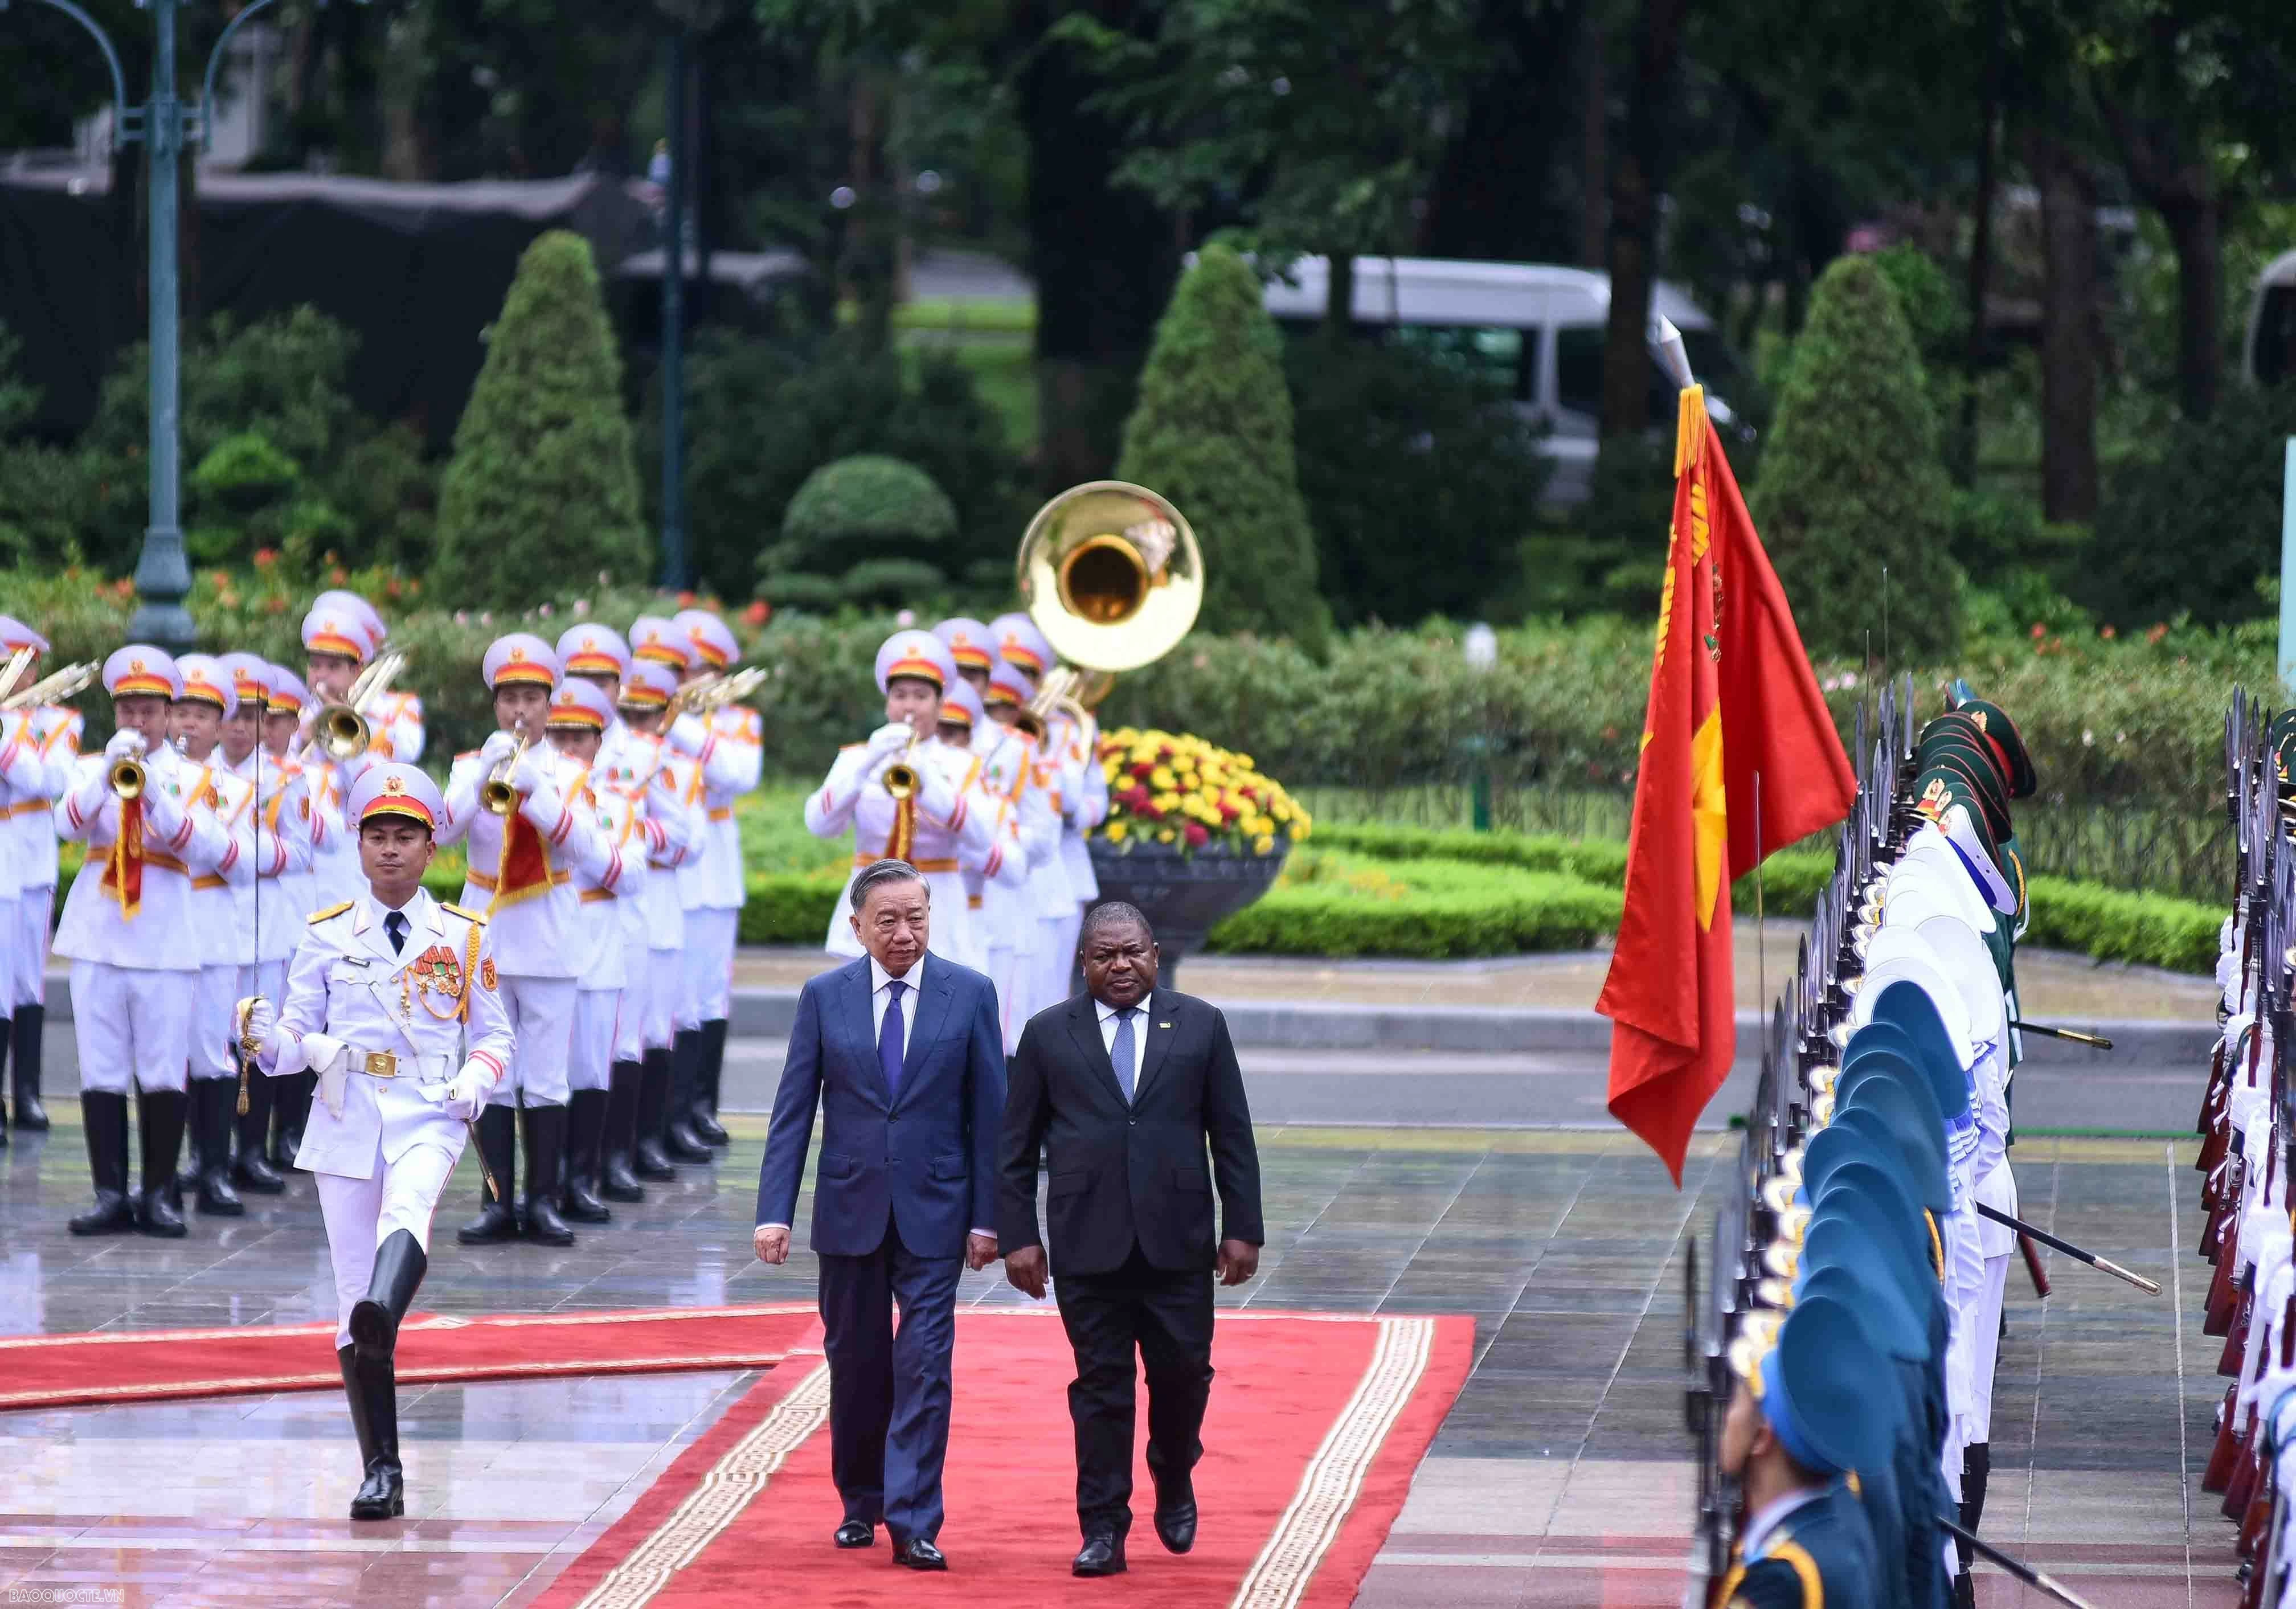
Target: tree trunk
1963	453
1595	142
1637	180
1104	257
2177	181
1339	295
2069	252
1494	195
409	153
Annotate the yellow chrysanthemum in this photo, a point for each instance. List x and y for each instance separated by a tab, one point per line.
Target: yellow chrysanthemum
1263	844
1161	779
1114	831
1165	835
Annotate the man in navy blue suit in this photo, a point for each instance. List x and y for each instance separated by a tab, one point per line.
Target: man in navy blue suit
903	1053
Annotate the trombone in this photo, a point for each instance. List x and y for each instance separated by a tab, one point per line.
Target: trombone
54	687
341	730
712	692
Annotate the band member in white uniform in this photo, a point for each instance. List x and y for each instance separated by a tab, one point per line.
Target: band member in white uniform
129	930
596	653
676	831
577	727
521	877
52	732
930	827
997	882
728	745
282	730
393	1000
1060	899
340	635
271	910
225	932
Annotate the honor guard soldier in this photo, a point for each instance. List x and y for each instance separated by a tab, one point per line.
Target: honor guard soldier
1803	1415
900	795
272	910
728	745
576	726
596	655
208	702
51	734
676	829
129	931
338	637
525	839
1022	645
283	727
393	1000
22	780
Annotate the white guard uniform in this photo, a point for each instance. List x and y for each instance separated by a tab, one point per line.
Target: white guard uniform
385	1031
599	881
54	734
1027	832
729	748
944	825
676	833
1083	806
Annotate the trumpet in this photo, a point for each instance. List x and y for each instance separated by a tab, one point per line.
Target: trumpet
497	793
901	779
128	777
341	730
54	687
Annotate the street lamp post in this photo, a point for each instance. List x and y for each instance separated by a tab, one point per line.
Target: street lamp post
164	123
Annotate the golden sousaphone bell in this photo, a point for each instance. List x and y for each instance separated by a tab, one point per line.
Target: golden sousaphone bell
1111	575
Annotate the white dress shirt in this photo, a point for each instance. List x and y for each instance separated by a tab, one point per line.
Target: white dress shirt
1108	1026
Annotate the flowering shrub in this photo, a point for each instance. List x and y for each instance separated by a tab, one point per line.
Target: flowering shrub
1171	788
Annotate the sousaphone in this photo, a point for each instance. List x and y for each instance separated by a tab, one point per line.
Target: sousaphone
1111	575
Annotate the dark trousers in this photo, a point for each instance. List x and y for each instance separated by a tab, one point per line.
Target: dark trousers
888	1392
1166	1318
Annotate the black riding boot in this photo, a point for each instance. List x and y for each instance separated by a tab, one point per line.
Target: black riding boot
398	1266
213	1101
250	1171
383	1495
545	1157
679	1143
586	1127
161	1114
104	1118
704	1108
648	1159
5	1037
355	1390
187	1169
616	1181
24	1034
498	1148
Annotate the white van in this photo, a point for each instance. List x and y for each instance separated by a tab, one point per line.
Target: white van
1536	329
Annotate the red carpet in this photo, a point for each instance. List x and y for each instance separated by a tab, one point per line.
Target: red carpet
1317	1424
146	1366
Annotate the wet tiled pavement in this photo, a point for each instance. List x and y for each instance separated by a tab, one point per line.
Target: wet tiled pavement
1558	1477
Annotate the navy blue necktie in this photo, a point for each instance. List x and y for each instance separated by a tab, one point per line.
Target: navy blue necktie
889	1036
1123	1053
395	924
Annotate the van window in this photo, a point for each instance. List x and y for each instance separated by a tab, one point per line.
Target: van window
1495	356
1579	375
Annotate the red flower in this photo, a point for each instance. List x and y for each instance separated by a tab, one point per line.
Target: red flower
1145	769
2107	632
275	606
2156	633
757	613
2040	631
266	557
391	588
686	599
337	574
1195	834
1228	812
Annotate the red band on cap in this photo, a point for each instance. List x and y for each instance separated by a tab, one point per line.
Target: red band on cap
916	665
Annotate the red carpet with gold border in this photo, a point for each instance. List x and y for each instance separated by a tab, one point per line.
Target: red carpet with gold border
1315	1425
150	1366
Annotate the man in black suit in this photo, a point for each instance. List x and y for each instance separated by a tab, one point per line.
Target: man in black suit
1122	1087
903	1054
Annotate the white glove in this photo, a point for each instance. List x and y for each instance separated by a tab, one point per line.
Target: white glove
466	1094
687	734
890	738
536	770
127	744
496	748
262	1024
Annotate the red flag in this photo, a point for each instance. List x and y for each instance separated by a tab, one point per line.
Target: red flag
1731	693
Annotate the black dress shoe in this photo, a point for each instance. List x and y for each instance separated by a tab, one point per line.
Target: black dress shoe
1175	1524
854	1533
917	1554
1102	1554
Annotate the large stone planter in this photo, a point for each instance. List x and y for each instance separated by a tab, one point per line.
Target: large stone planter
1183	896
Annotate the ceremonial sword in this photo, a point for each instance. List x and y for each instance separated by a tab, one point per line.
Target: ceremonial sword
2067	1248
2017	1567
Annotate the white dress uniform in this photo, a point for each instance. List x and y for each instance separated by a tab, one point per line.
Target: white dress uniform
930	830
995	879
729	747
342	624
129	930
400	1014
1083	805
51	735
522	869
1058	912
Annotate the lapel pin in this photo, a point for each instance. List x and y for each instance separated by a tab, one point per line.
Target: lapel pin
1163	1025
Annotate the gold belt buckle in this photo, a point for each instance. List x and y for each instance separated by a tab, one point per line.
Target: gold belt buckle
382	1065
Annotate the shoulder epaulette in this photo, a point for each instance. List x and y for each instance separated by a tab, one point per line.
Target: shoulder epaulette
332	910
467	915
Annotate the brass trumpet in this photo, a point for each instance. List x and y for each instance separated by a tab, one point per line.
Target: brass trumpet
54	687
901	779
129	778
497	793
342	730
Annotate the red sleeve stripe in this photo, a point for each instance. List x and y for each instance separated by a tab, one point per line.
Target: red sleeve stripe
708	749
185	837
995	861
488	1058
230	857
71	809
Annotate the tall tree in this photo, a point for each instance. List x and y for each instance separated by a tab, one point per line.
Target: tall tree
1638	179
